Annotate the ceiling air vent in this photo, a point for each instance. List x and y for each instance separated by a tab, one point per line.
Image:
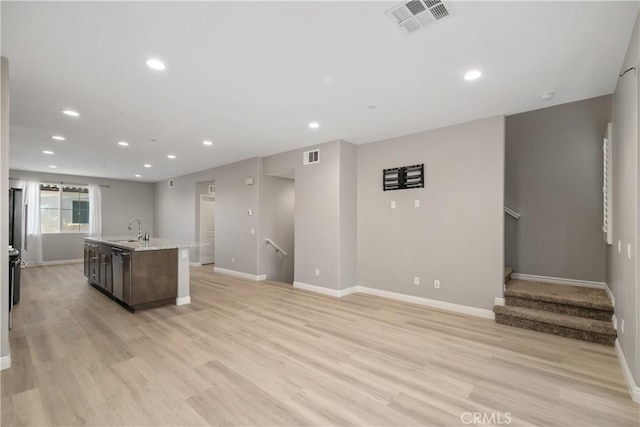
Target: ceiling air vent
311	157
417	14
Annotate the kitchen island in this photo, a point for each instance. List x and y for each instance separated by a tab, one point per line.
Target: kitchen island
139	274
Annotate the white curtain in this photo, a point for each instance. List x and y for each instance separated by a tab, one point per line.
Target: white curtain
95	211
32	250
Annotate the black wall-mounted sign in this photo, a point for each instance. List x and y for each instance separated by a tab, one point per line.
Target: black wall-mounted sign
403	177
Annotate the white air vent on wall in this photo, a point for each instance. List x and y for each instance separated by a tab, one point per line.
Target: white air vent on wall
311	157
416	14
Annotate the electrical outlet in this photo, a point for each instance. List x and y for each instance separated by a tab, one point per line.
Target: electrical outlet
252	231
249	212
619	246
393	204
416	280
621	326
416	203
436	284
233	260
629	251
317	271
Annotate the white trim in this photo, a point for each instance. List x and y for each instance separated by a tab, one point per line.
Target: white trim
559	281
183	300
610	294
58	262
5	362
633	388
195	264
614	321
458	308
337	293
239	274
499	301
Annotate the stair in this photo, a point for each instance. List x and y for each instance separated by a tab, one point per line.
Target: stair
568	311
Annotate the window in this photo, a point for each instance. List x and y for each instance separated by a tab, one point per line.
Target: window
64	208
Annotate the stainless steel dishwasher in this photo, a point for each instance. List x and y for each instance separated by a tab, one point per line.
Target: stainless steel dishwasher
121	274
117	272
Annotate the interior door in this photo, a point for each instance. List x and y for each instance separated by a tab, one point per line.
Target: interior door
207	236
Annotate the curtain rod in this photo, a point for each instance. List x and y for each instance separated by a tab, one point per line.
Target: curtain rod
65	183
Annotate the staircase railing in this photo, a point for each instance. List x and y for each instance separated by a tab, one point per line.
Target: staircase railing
275	246
511	212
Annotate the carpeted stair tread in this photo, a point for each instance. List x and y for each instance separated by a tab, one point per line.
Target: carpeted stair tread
564	320
507	274
560	294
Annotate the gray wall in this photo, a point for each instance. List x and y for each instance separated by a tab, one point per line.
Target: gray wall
456	235
4	212
623	272
121	202
553	178
175	213
319	240
276	222
348	214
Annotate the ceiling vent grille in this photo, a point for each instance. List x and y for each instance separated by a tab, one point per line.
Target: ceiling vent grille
417	14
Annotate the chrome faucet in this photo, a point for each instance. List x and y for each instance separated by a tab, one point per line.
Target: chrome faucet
139	227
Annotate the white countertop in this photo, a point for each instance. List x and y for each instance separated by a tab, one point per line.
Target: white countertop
131	243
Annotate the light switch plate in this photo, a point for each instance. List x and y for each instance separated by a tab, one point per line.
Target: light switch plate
393	204
416	203
628	250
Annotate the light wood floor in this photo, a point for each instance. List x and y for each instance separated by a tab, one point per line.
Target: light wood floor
247	353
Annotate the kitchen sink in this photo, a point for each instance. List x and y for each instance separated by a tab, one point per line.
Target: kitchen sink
124	241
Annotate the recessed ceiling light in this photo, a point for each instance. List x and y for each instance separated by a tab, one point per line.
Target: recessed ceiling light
58	138
314	125
207	142
137	175
155	64
147	165
71	113
546	96
123	143
52	166
47	152
472	75
171	156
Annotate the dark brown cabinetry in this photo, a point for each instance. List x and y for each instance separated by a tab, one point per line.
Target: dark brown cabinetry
139	279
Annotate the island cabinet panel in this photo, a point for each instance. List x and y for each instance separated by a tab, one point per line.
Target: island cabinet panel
137	278
154	278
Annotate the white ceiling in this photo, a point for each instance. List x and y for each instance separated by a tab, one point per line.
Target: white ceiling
251	75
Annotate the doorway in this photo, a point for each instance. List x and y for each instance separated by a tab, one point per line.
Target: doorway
207	227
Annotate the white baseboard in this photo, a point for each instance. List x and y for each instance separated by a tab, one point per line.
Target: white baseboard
610	295
239	274
559	281
183	300
325	291
195	264
633	387
458	308
499	301
5	362
58	262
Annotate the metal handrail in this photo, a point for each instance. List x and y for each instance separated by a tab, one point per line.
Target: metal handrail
275	246
511	212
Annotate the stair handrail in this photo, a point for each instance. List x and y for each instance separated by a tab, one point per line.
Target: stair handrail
511	212
268	242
